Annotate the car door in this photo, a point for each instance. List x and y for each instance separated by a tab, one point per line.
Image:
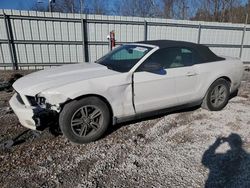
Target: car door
186	76
154	90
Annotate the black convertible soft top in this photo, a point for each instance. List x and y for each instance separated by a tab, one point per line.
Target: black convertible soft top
204	52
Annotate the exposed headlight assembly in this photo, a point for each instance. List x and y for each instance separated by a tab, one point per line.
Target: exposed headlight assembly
41	101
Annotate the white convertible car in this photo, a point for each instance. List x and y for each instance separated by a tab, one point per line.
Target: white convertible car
133	80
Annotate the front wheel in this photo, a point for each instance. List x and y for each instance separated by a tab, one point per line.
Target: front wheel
217	95
85	120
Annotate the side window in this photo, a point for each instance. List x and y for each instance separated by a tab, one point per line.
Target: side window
187	57
157	57
183	57
173	58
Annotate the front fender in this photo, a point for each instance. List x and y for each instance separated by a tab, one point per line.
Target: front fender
116	90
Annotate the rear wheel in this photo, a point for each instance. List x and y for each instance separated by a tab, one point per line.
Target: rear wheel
85	120
217	95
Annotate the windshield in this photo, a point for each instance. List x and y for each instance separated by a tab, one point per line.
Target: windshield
123	58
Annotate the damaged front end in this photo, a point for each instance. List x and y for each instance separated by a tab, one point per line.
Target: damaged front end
34	112
45	118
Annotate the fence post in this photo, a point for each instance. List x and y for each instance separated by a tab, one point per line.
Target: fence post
243	36
199	35
11	44
85	40
145	30
242	41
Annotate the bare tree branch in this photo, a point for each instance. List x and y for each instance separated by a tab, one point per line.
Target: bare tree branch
144	8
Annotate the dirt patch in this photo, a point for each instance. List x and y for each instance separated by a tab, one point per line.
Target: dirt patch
166	151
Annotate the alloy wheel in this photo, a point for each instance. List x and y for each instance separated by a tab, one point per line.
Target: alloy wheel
86	120
218	95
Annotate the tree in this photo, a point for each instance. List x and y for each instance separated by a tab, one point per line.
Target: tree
248	11
143	8
98	7
202	15
177	9
39	6
207	10
221	11
66	6
182	9
168	8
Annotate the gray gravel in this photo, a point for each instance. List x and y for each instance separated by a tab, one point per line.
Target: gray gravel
173	150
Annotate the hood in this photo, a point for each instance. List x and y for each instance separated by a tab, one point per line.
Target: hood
34	83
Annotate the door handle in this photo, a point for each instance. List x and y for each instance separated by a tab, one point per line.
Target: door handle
191	74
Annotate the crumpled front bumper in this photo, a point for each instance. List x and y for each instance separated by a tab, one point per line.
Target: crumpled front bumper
24	113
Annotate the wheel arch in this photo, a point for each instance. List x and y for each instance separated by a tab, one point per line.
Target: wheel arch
207	105
225	78
93	95
221	77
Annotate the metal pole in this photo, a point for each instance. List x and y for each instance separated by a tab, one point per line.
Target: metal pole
145	30
81	6
72	7
242	41
199	34
49	6
84	40
243	37
11	42
110	45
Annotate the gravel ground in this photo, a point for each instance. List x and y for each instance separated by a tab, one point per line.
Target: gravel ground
180	149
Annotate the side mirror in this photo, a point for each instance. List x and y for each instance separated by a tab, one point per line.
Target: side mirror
154	67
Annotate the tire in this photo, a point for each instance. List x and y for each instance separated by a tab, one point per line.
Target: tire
217	95
84	120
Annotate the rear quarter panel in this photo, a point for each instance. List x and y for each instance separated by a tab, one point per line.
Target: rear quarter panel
211	71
